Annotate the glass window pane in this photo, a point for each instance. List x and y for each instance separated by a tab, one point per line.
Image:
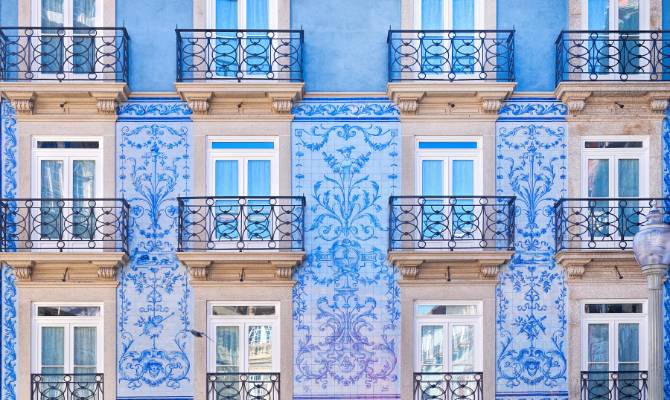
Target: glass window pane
623	308
462	348
226	14
85	349
258	14
432	14
260	348
53	15
68	311
629	15
441	309
629	178
226	178
243	310
599	11
432	348
259	179
463	178
83	179
599	178
432	179
598	343
227	348
629	343
83	13
51	187
52	349
464	14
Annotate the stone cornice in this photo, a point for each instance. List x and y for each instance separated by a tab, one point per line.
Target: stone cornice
67	100
607	265
449	266
40	267
246	266
215	100
587	100
452	100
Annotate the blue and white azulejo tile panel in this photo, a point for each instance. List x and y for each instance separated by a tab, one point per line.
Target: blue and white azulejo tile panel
346	299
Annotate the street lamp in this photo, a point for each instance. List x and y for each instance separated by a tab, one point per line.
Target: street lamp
651	246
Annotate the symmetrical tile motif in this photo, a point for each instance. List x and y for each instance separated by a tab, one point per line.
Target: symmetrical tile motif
666	302
154	308
346	299
531	146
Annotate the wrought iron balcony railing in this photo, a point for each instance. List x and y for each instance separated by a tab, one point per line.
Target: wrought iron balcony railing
243	386
63	54
67	387
602	223
612	56
426	55
614	385
451	223
64	224
448	385
252	54
241	223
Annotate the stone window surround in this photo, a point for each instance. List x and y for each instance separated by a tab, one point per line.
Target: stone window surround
280	292
412	292
30	293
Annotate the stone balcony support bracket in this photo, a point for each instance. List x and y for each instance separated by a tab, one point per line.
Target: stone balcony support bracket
598	98
37	267
429	265
246	266
600	265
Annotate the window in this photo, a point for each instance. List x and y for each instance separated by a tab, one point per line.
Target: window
69	54
449	337
68	340
614	339
615	169
245	338
66	170
449	14
613	15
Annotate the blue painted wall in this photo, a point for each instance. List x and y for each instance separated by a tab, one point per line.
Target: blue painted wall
9	12
537	24
153	59
666	14
345	42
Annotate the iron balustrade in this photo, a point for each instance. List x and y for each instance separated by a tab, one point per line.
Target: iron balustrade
613	56
614	385
457	55
249	54
451	222
602	223
64	224
67	387
64	54
448	386
243	386
241	223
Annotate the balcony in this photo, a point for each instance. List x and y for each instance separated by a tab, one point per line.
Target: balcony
614	385
219	66
448	386
84	65
592	64
243	386
466	69
67	386
594	233
427	233
64	239
241	238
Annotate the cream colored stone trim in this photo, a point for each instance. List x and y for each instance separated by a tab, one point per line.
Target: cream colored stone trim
230	100
66	100
49	292
413	291
42	266
441	266
244	266
206	291
601	265
449	100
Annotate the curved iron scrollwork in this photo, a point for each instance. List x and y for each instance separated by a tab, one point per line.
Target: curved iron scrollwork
448	386
243	386
614	385
450	222
67	387
64	224
253	54
241	223
602	223
64	54
451	55
612	55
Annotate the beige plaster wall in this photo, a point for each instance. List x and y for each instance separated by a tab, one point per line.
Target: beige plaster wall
410	293
204	292
28	294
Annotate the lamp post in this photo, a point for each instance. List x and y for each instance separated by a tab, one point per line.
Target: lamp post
651	246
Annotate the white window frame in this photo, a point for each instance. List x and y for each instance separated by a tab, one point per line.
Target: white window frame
242	156
613	155
447	321
645	15
69	323
613	319
243	322
448	155
480	13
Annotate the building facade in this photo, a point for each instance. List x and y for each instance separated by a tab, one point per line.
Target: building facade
371	199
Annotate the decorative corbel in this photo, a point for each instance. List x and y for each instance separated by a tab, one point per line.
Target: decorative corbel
198	270
106	105
409	269
23	271
659	104
491	105
199	103
283	270
489	271
23	104
408	105
576	101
